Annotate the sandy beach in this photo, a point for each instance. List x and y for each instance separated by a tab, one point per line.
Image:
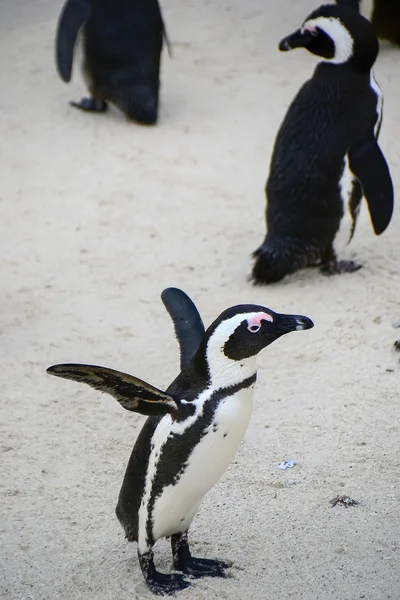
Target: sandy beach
97	217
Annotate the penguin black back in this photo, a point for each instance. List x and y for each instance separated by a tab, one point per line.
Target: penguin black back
329	130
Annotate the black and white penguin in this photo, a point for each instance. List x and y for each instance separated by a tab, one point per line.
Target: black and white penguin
123	41
194	430
385	18
326	155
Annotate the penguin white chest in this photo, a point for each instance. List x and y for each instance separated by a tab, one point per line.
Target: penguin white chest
176	506
345	187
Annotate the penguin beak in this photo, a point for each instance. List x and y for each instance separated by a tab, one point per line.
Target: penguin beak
298	39
287	323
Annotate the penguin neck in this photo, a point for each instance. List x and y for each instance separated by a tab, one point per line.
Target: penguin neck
209	369
360	62
344	72
225	372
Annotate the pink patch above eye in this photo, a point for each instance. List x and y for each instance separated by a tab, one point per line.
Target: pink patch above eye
310	28
256	320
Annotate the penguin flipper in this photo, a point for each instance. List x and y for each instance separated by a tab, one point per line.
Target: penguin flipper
74	14
133	394
189	328
368	164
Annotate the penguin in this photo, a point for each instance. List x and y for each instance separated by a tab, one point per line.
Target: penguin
385	18
193	431
326	156
122	42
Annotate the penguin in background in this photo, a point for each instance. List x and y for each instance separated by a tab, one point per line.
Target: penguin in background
326	156
193	431
385	18
122	45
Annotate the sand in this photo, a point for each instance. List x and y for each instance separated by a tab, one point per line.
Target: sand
97	217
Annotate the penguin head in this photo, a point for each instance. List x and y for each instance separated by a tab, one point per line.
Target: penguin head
339	35
233	341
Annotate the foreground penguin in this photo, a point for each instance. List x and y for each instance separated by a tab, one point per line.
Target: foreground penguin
194	430
326	154
123	41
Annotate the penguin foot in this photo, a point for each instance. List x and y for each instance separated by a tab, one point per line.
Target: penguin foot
166	585
203	567
90	105
336	267
160	583
196	567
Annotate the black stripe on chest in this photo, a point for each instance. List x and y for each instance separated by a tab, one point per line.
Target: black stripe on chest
176	451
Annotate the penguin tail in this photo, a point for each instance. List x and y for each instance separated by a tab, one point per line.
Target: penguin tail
138	102
275	259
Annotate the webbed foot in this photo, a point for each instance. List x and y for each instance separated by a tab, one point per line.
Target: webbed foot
160	583
336	267
195	567
90	105
204	567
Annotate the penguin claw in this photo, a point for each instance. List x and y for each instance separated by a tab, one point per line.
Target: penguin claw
90	105
167	585
342	266
204	567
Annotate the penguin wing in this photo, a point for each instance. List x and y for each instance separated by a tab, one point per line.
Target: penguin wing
74	14
368	164
189	328
132	393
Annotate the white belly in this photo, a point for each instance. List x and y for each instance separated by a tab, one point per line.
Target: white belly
379	103
177	505
346	185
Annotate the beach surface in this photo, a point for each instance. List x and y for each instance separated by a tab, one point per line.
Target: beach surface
97	217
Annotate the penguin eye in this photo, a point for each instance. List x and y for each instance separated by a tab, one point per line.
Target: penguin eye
254	328
310	29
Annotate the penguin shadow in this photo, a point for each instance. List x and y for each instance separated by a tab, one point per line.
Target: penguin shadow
203	592
389	54
386	47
